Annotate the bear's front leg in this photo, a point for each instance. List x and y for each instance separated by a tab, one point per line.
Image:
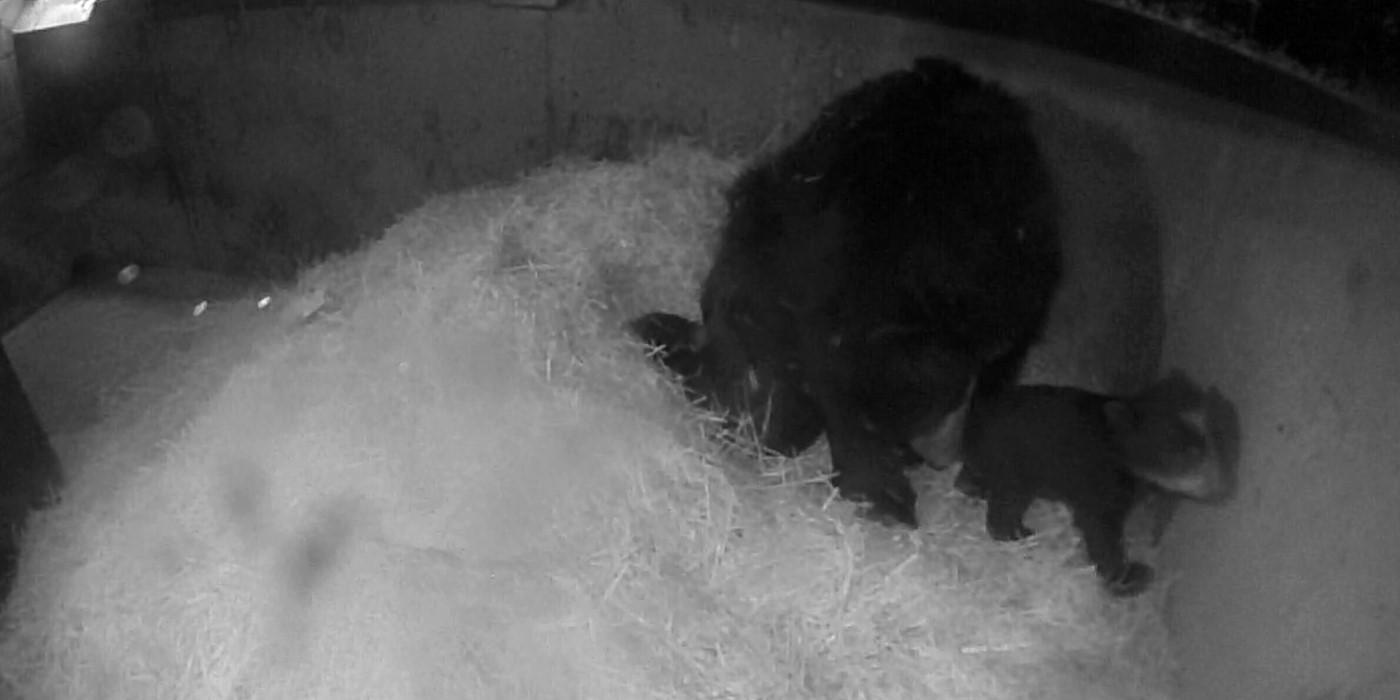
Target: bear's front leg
787	420
1006	510
866	470
970	483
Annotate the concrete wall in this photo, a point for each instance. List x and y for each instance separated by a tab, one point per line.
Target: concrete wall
319	125
11	114
312	127
73	193
1282	259
1285	273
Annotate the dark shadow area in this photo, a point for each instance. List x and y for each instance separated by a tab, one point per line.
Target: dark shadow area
1105	328
29	468
1156	48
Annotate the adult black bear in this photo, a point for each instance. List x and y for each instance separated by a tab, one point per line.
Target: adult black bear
900	252
1092	452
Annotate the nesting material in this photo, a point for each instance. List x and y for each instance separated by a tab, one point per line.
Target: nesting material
459	479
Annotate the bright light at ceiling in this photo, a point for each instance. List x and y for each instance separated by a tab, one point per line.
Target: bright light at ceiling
21	16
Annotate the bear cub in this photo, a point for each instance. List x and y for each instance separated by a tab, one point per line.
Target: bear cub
1093	453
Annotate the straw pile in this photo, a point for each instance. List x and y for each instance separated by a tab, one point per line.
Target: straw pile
443	472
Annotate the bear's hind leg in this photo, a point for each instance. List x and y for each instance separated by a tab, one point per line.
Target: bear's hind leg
1102	529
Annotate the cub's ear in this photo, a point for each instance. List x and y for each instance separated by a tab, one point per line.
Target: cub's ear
1120	416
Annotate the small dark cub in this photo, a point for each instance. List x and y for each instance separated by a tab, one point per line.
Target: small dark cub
1093	453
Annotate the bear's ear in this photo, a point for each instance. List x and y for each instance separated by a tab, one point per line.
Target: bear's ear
1120	416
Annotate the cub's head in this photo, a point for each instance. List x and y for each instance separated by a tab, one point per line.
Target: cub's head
1178	437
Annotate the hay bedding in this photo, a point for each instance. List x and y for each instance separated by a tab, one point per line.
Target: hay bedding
459	480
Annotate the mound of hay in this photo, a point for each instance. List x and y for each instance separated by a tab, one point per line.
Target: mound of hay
443	472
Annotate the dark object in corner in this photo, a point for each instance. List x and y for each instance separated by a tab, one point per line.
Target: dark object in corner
29	469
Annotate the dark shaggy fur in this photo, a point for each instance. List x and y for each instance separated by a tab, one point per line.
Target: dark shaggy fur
1091	452
904	246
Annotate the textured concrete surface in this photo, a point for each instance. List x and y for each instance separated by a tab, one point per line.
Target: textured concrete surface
1284	274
